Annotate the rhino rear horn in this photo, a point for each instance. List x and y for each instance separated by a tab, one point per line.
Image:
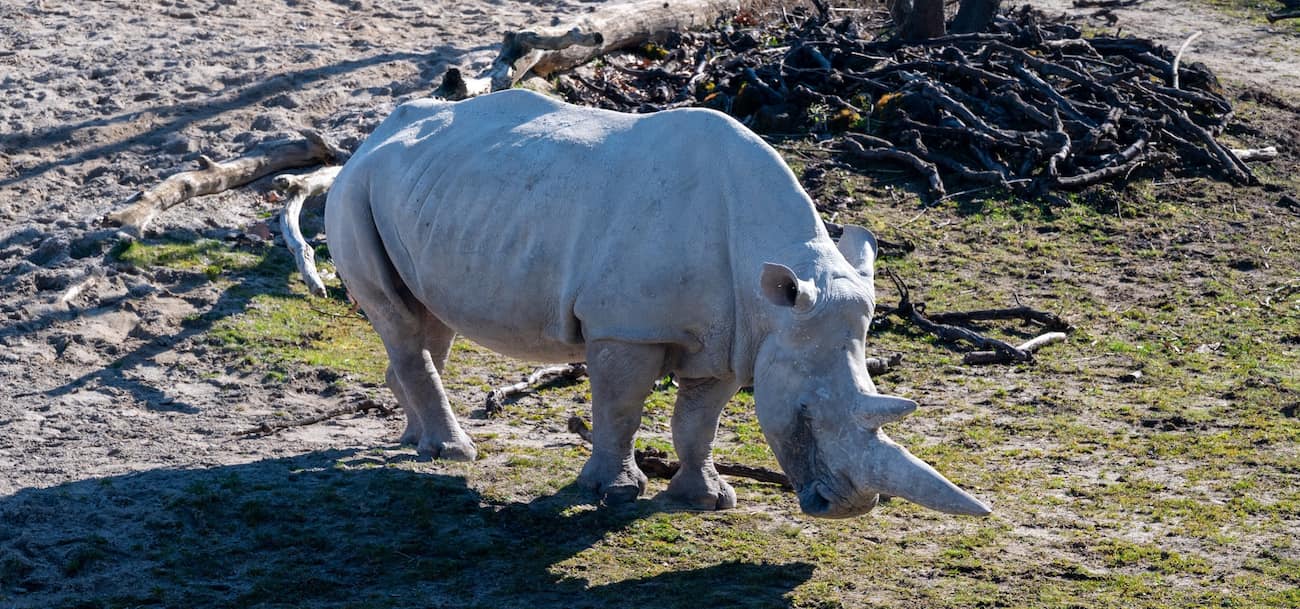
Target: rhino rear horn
895	471
876	410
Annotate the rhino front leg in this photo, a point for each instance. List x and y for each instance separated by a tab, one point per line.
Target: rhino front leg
695	424
622	376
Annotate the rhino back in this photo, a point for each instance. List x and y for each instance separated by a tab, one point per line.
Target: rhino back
531	226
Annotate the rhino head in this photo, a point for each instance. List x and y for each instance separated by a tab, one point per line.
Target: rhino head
816	403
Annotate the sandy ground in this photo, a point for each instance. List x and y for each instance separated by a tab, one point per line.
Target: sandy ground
1238	50
98	99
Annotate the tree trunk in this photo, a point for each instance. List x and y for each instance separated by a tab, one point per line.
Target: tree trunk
974	16
609	28
918	19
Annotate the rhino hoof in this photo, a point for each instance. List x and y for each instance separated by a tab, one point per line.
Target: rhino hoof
450	451
618	494
721	498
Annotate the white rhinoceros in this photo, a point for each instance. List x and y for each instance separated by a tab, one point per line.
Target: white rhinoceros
643	244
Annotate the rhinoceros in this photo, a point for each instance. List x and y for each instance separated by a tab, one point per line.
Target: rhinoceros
676	242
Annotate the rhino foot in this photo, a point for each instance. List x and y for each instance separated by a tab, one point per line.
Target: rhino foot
462	450
411	437
623	485
701	491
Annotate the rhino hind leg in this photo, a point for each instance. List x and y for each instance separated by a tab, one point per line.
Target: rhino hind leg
622	376
695	424
417	342
416	361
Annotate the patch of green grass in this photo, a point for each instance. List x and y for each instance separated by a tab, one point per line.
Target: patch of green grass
278	329
209	256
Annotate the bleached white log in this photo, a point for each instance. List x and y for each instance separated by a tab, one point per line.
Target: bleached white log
299	188
543	51
1267	153
213	177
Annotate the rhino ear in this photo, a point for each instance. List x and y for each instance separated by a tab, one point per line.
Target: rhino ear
784	289
859	247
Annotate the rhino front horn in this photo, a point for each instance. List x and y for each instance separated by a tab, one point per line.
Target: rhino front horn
895	471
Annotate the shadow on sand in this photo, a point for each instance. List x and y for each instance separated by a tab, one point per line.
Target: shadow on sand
332	529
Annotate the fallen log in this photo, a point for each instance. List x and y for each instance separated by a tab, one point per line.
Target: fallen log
300	188
997	357
610	28
213	177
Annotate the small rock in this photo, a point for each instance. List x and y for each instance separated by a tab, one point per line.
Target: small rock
179	144
285	101
259	231
51	250
1131	377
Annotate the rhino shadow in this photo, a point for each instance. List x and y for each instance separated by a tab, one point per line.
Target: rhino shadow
304	532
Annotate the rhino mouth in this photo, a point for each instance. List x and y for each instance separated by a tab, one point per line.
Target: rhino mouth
813	501
816	499
818	494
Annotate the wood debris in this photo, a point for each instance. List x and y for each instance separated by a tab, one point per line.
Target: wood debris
1030	106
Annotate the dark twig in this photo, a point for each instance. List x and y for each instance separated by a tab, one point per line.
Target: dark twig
914	313
269	427
1048	320
495	400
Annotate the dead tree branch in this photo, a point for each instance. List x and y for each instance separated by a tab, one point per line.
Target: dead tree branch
495	400
915	313
1048	320
1031	105
300	188
992	350
610	28
996	357
213	177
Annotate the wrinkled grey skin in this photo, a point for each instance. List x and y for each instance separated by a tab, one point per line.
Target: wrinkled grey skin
674	242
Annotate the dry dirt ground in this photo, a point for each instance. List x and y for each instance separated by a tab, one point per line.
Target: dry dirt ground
119	411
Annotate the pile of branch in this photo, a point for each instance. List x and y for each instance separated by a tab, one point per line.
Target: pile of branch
1030	106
